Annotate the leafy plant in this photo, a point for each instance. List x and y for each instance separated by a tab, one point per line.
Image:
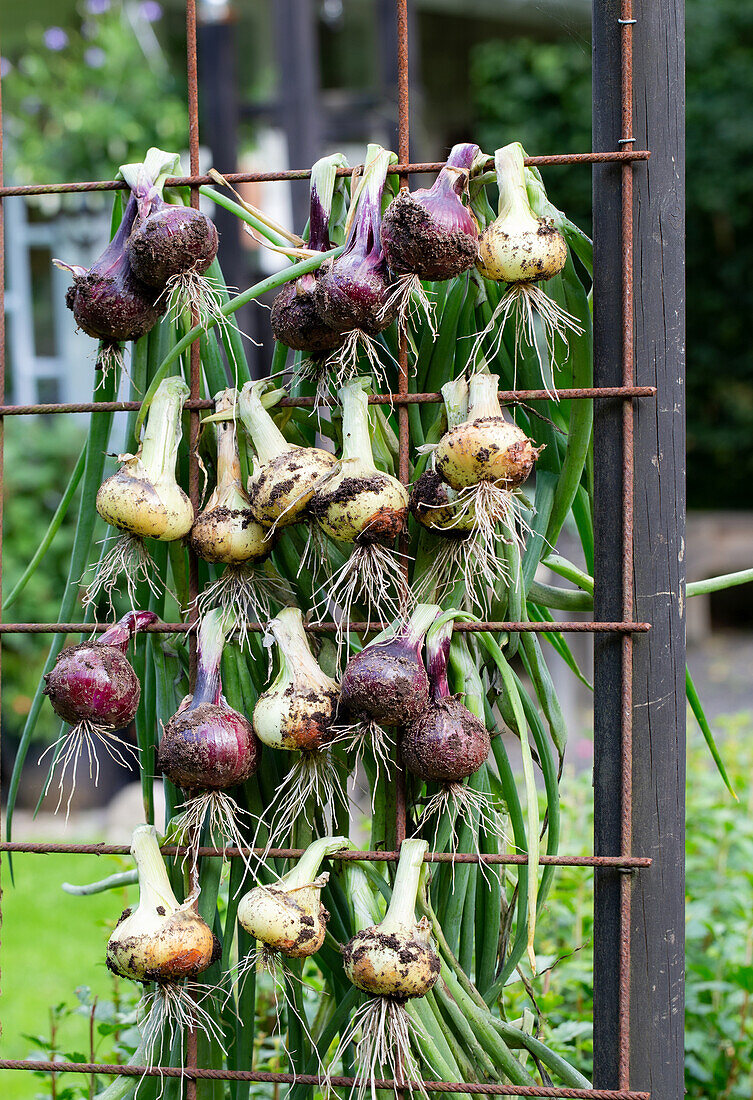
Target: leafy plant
97	93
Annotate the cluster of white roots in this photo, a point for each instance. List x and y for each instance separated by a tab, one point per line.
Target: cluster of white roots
110	357
538	320
342	364
361	736
498	517
223	815
414	306
128	559
169	1011
84	738
372	577
196	294
383	1050
266	961
243	593
462	805
314	780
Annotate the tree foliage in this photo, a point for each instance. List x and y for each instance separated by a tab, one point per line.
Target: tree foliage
539	93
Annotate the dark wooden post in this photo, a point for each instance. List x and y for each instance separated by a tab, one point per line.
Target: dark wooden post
658	773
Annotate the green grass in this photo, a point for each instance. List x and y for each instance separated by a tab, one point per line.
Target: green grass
52	943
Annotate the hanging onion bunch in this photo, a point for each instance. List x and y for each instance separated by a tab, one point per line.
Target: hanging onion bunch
446	744
143	499
207	747
171	245
288	921
385	685
166	942
352	291
295	318
296	714
361	505
482	461
393	962
523	251
108	301
226	533
94	688
431	234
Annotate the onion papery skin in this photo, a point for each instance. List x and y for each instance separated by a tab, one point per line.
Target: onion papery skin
386	682
172	240
365	509
296	321
433	236
527	255
298	718
446	743
131	502
280	492
487	449
352	293
292	922
208	747
433	504
389	963
95	683
230	536
170	948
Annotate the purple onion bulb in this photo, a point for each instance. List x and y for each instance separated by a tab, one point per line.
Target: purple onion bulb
94	682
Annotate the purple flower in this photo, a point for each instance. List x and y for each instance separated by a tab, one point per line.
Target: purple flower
95	57
55	38
151	11
98	7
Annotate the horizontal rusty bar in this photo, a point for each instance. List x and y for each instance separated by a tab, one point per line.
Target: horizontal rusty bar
355	628
507	396
197	1073
45	848
304	174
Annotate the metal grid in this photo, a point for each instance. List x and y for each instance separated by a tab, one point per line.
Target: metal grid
626	156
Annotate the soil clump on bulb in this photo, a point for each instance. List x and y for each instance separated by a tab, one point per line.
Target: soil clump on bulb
417	244
172	241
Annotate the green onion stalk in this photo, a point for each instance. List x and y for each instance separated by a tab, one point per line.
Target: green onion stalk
164	942
144	501
393	962
362	506
522	251
225	533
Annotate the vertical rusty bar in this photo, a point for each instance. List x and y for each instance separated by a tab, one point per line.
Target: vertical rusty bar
2	397
402	412
628	480
195	422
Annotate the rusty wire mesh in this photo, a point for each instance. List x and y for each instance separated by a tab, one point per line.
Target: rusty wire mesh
626	156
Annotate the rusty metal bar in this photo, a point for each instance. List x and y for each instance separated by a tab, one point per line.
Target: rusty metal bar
358	628
2	398
50	848
402	169
505	396
197	1074
403	426
628	487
